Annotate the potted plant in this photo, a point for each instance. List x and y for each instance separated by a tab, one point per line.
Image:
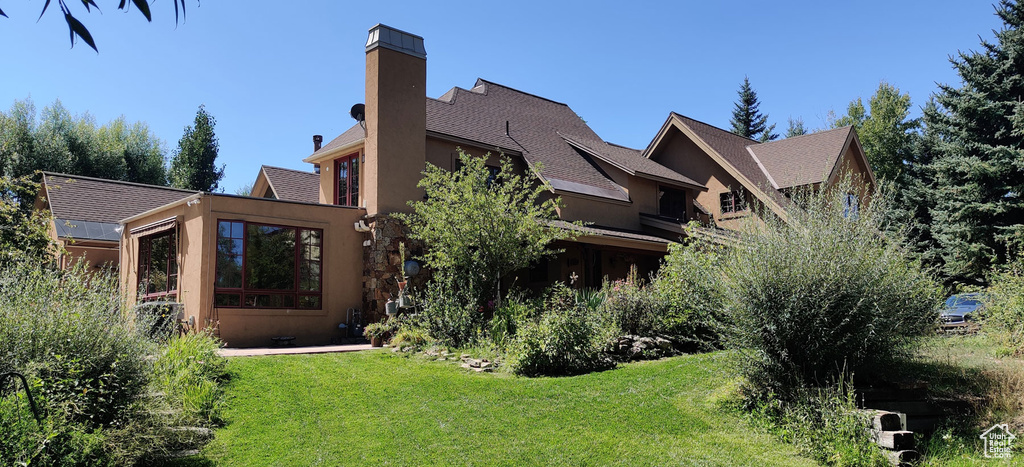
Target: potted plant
377	332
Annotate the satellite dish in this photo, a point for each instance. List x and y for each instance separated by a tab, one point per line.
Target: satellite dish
358	112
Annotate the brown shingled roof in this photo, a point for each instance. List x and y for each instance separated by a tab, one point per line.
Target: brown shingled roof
802	160
293	185
351	135
482	113
86	199
630	160
733	148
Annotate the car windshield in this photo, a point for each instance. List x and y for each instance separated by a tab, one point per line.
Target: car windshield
958	300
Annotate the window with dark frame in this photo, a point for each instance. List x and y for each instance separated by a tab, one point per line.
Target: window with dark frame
672	203
346	178
733	201
268	266
158	267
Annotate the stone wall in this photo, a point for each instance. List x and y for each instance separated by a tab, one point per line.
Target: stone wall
382	264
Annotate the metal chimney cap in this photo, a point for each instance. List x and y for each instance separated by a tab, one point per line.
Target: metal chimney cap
397	40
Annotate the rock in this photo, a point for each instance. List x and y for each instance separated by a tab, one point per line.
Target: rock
474	363
465	356
486	365
662	343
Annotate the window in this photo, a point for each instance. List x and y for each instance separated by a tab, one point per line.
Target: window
850	206
158	267
267	266
672	203
346	177
733	201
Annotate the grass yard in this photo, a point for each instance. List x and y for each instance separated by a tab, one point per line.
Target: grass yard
376	407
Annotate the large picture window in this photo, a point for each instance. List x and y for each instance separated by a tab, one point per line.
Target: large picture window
267	266
158	267
346	176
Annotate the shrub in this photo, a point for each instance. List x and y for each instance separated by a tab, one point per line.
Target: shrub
633	308
825	425
690	286
409	336
1005	306
451	317
824	292
515	310
85	363
188	370
568	338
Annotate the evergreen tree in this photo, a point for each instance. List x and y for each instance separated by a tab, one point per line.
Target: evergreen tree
194	165
746	120
796	128
978	161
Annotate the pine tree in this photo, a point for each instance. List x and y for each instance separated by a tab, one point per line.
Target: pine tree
194	166
747	121
979	154
796	128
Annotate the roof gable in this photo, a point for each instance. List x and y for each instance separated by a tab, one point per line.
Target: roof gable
802	160
729	151
292	185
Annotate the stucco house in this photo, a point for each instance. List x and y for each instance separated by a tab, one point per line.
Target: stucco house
307	249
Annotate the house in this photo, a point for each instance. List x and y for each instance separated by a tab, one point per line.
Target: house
308	250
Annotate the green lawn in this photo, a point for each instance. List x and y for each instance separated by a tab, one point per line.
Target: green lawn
376	407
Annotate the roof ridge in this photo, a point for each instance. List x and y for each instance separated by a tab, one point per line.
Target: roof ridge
717	128
120	182
479	80
816	133
286	168
623	147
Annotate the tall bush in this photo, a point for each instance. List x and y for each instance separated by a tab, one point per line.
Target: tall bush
690	285
86	364
1005	305
822	292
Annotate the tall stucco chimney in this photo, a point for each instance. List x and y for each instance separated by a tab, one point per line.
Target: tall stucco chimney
396	119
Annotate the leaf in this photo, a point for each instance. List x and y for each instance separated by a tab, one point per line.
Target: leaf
3	14
90	2
45	6
143	6
120	6
76	27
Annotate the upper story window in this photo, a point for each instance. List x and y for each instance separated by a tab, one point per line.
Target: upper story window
671	203
733	201
158	267
851	206
346	178
267	266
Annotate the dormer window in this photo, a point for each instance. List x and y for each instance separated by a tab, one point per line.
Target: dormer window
672	203
346	178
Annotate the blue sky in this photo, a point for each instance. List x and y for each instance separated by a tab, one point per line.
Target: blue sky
275	73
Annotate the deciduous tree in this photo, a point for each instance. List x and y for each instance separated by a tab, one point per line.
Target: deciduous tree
887	133
480	226
73	144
